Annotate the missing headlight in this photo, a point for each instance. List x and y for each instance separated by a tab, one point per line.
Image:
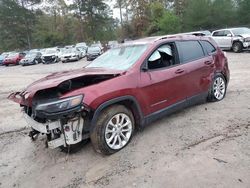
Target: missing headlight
65	86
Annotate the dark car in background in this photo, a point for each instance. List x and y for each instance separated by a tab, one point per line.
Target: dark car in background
93	52
31	58
13	58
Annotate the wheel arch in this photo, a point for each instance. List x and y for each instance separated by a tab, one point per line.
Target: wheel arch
129	102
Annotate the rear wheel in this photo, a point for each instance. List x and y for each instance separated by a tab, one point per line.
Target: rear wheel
237	47
218	89
113	131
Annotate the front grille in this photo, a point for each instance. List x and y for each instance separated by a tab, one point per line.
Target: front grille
48	58
67	57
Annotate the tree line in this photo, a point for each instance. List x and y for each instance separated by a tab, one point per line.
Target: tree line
26	24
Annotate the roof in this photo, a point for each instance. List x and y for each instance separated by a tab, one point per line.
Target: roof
150	40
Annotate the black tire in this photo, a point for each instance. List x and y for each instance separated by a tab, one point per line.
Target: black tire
98	134
237	47
211	95
63	61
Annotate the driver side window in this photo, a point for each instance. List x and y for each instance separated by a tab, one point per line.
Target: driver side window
164	56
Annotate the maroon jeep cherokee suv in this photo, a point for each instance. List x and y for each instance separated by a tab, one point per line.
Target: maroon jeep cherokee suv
125	88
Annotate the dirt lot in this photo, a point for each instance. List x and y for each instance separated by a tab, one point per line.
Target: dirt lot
203	146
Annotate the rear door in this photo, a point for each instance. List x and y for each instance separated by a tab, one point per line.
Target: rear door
198	67
227	40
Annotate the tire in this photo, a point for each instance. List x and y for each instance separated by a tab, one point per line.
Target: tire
121	132
237	47
63	61
218	89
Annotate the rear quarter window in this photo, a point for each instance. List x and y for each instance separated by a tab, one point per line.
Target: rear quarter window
189	51
208	47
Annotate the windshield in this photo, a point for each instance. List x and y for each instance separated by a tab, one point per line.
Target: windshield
13	54
120	58
240	31
50	51
68	50
83	44
30	55
93	49
4	54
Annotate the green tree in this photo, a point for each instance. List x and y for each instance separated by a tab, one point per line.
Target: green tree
169	23
15	22
197	15
244	12
223	13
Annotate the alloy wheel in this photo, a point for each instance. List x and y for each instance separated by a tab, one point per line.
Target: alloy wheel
118	131
219	88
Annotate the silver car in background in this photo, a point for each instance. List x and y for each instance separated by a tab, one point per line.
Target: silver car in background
70	54
236	39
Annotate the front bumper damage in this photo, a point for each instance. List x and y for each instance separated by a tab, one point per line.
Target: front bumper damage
59	132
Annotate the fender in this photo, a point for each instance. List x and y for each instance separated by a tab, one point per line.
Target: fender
108	103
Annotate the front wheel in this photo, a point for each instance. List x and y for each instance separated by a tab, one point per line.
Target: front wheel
237	47
218	89
114	130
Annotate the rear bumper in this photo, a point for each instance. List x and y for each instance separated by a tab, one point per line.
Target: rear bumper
92	56
27	63
69	58
10	63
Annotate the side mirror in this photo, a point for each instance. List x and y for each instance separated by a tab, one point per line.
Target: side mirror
145	68
229	35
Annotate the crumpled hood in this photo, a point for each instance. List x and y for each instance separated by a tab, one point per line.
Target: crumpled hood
55	79
245	35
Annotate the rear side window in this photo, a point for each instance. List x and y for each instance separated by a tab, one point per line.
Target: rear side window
219	33
189	51
208	47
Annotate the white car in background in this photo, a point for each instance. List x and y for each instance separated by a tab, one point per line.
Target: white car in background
50	56
235	39
70	54
82	46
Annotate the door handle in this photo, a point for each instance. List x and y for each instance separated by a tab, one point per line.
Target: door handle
208	62
179	71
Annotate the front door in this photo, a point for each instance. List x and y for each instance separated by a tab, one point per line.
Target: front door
163	83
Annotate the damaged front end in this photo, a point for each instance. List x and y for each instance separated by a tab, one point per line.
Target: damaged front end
64	120
60	120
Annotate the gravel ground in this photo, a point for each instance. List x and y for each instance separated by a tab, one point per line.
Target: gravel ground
202	146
